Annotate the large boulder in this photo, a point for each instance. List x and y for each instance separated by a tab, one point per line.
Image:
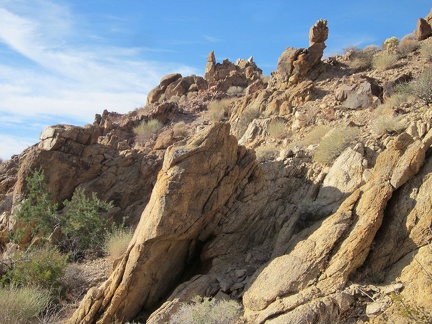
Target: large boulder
359	92
196	181
423	29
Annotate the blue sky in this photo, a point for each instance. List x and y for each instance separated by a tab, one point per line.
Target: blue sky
63	61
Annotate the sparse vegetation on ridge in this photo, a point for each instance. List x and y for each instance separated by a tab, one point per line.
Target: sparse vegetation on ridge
145	130
304	122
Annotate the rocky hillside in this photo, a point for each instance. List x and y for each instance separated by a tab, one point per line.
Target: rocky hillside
306	195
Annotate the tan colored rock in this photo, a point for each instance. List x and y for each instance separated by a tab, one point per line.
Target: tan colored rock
344	176
321	259
318	32
196	180
423	30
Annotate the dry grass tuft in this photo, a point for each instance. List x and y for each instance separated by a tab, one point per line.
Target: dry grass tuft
219	109
362	59
179	129
276	129
22	305
333	143
208	310
384	61
426	49
117	242
265	153
386	124
408	44
146	130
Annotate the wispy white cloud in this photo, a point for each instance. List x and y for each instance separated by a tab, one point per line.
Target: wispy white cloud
211	39
64	73
11	145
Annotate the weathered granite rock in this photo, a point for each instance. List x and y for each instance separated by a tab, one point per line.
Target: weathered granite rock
295	64
196	180
359	93
323	257
423	29
227	74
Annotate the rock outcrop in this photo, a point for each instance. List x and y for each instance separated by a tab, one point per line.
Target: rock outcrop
292	239
295	64
204	176
174	85
224	75
424	27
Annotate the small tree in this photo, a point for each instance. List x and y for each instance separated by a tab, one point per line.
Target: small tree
37	210
82	222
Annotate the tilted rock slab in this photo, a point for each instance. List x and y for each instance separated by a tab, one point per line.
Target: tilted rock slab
303	284
195	181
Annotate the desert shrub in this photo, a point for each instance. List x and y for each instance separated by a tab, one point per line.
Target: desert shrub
235	91
390	43
82	223
420	88
37	210
145	130
408	44
362	59
246	118
386	124
384	61
276	128
333	143
218	109
37	267
179	129
208	311
23	304
426	49
117	241
315	135
264	153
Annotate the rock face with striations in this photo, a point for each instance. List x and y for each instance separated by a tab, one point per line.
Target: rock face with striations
196	182
292	239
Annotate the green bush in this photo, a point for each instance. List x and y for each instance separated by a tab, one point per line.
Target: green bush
40	267
146	130
37	210
208	311
334	143
22	305
117	241
82	222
